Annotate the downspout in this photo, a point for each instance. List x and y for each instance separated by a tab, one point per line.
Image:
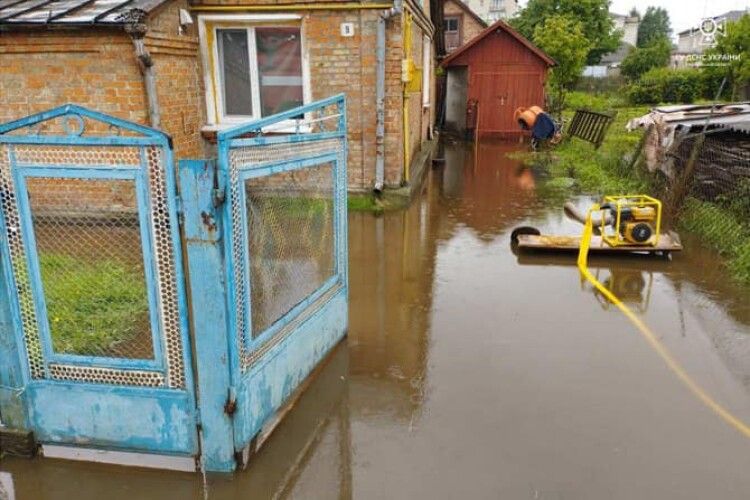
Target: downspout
135	26
397	9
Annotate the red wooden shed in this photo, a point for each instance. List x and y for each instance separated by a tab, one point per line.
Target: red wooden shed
502	71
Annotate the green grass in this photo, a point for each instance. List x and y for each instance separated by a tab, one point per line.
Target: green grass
363	203
92	306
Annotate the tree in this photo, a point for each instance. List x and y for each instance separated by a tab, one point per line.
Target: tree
597	25
641	59
729	57
634	13
563	40
654	26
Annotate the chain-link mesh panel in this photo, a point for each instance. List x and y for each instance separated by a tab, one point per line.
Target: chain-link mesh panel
713	193
308	195
91	264
290	236
9	198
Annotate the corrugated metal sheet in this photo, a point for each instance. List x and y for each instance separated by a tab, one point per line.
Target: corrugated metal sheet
69	12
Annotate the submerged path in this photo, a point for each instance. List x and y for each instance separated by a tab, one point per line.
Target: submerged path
471	372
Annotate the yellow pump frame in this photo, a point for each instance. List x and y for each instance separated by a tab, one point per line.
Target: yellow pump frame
629	201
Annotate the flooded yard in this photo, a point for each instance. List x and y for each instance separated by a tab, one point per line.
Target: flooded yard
473	372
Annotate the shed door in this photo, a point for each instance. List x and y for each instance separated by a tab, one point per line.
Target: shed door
499	95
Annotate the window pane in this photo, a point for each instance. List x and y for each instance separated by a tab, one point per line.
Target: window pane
279	68
235	72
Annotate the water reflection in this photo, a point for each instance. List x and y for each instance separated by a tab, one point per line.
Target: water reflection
473	372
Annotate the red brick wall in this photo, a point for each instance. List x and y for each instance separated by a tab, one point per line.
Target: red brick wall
96	68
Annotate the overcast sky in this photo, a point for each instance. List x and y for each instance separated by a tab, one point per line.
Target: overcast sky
684	14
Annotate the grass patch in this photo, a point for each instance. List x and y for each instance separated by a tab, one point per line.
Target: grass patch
93	306
363	203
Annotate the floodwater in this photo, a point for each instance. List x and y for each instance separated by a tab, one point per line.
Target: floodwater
471	372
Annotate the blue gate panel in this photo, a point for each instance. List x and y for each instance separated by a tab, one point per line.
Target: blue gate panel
267	386
91	255
156	421
285	234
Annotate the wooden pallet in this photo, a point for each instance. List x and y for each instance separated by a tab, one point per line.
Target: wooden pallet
668	243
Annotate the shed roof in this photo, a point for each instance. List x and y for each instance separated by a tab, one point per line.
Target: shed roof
17	13
499	25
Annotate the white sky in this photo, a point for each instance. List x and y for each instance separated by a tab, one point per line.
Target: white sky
684	14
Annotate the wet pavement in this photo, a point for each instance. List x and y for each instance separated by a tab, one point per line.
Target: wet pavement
472	372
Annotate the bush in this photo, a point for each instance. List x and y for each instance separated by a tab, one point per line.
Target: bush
667	85
641	60
604	101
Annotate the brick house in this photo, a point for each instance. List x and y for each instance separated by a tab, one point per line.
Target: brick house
460	24
192	68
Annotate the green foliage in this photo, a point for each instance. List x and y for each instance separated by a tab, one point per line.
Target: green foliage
92	305
641	59
596	22
563	40
599	101
363	203
732	53
667	85
654	26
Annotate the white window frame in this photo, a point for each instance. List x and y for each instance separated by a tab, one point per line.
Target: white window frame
426	71
209	24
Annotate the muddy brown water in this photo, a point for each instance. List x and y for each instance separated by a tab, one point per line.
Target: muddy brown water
471	372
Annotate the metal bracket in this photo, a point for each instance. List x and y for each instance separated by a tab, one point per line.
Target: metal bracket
230	407
218	194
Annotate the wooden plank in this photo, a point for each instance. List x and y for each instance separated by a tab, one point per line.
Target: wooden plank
667	243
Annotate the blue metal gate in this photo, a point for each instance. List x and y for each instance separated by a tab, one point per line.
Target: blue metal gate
286	253
92	262
95	345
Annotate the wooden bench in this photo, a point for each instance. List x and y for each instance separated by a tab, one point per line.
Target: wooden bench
590	126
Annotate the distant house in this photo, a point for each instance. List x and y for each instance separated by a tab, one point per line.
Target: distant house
493	10
492	75
460	24
610	63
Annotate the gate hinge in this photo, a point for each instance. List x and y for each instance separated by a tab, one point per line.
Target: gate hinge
231	405
179	209
218	196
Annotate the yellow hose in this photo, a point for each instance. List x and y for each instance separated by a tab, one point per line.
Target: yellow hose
650	337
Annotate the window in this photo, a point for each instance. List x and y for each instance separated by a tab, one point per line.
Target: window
256	71
451	24
452	32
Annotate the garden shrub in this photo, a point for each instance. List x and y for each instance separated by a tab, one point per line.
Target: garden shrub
667	85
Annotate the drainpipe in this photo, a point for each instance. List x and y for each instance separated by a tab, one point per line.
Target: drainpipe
380	94
135	26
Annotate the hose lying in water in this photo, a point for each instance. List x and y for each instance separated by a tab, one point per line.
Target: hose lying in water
650	337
